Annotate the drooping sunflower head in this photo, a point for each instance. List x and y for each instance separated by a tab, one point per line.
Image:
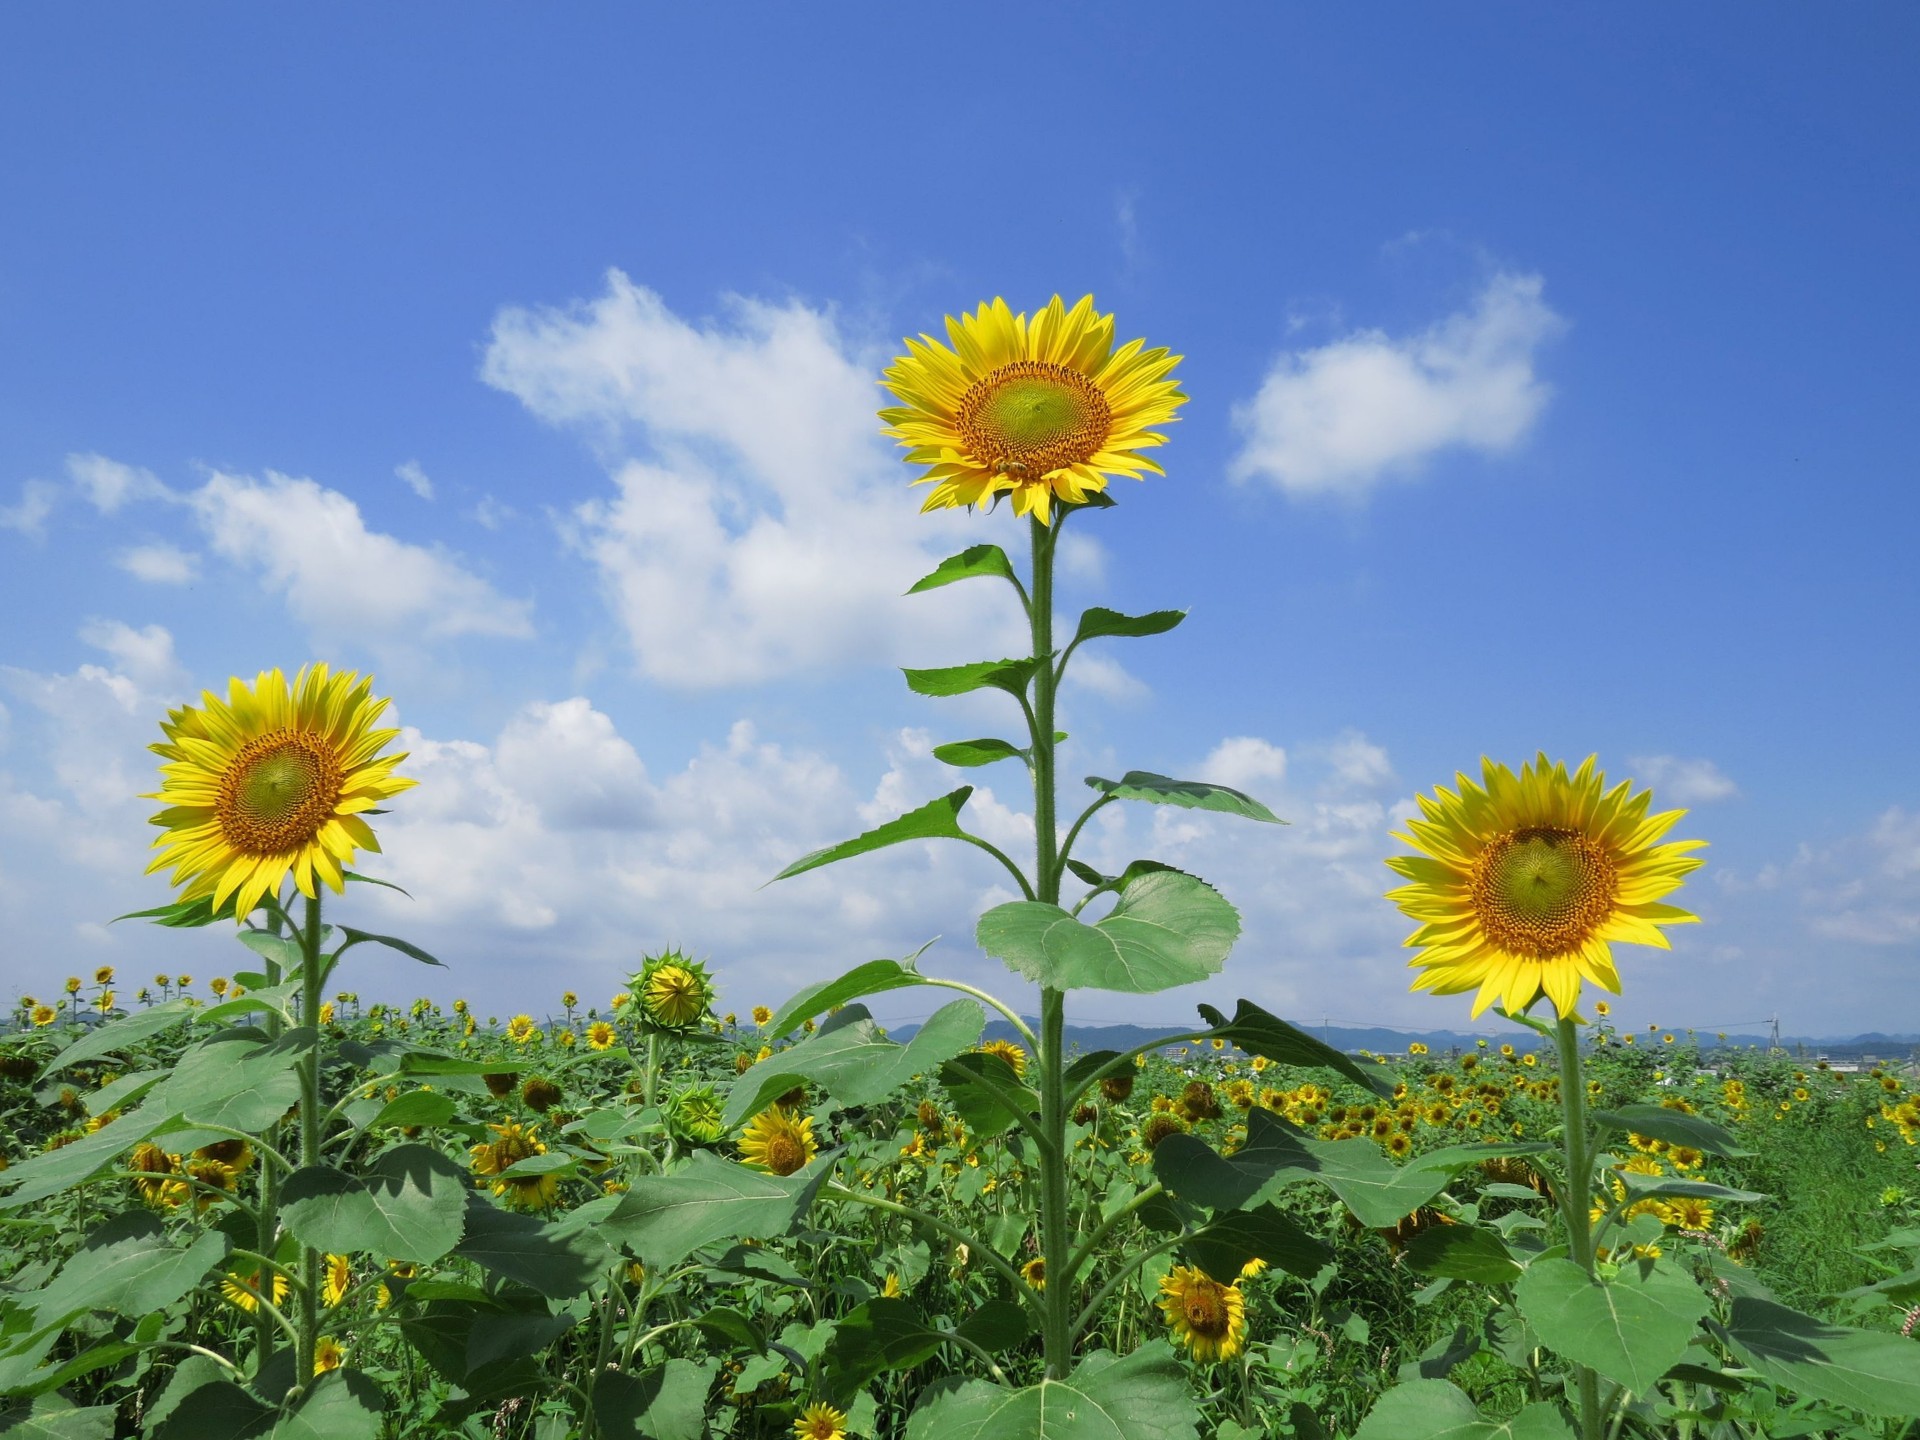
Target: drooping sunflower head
272	780
1209	1318
674	992
778	1142
1041	407
1525	881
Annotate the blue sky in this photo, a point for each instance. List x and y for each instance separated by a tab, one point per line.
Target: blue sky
1551	383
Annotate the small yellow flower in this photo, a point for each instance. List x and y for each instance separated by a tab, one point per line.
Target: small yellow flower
244	1289
73	984
328	1354
761	1015
601	1035
515	1143
521	1029
821	1421
104	975
1034	1272
45	1015
569	1000
336	1280
218	985
890	1287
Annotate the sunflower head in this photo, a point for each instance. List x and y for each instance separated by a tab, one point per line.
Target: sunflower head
1034	1272
1523	882
514	1143
1041	407
674	993
1007	1050
778	1142
820	1421
336	1279
1209	1318
272	780
698	1116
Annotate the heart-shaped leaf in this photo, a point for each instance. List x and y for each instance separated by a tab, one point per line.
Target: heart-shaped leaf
1631	1328
1169	928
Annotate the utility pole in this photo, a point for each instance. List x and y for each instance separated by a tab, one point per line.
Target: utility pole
1774	1048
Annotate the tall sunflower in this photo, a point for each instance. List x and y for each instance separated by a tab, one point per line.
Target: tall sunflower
1524	882
273	779
1041	407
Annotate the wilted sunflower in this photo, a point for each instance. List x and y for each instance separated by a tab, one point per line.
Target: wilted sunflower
675	992
1524	883
515	1143
778	1142
1040	407
271	780
1209	1318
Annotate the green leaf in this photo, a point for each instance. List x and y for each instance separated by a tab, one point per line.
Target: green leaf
1224	1247
281	950
1168	929
665	1404
180	915
1259	1033
1647	1187
339	1405
1871	1370
1011	676
665	1218
558	1260
935	820
51	1417
369	880
883	1334
122	1033
417	1107
1437	1410
1100	621
1632	1328
976	752
1143	1397
873	978
239	1078
1189	794
854	1062
126	1266
1463	1252
980	1108
405	947
497	1338
52	1171
410	1205
220	1411
1676	1127
974	561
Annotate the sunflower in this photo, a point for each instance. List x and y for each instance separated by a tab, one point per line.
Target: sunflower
778	1142
244	1289
674	992
761	1015
328	1354
1039	407
1523	884
522	1028
45	1015
1209	1318
515	1143
271	780
155	1174
1034	1272
1013	1054
698	1116
601	1035
820	1421
336	1280
396	1270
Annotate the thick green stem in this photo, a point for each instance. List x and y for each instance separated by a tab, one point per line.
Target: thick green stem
311	1121
267	1230
1577	1195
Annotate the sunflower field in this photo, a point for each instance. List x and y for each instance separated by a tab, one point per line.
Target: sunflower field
251	1207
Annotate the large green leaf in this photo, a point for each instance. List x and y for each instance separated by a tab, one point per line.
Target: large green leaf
340	1405
1155	789
975	560
1871	1370
239	1078
1631	1328
1437	1410
1008	675
665	1218
665	1404
1463	1252
51	1417
854	1062
976	1082
52	1171
1259	1033
1143	1397
1167	929
410	1205
1676	1127
181	914
873	978
219	1411
1100	621
560	1260
1223	1247
127	1266
935	820
119	1034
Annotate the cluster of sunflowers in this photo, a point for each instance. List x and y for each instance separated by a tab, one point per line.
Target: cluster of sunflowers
167	1181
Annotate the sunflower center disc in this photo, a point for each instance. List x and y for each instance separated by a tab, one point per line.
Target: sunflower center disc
1205	1314
785	1155
1030	418
277	792
1543	892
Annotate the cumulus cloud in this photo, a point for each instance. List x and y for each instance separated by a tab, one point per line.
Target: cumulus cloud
109	484
1244	762
1684	782
145	655
159	564
310	545
757	526
29	515
1865	888
1336	419
416	479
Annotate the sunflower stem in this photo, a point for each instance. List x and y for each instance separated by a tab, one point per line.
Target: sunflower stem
267	1227
312	977
1576	1195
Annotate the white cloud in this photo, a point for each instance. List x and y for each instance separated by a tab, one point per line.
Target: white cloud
1866	888
1244	762
110	484
1336	419
1357	762
311	545
145	655
491	513
159	564
416	478
29	517
765	530
1684	782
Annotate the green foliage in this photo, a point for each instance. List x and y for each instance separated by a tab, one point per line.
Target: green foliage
1168	928
853	1061
935	820
1631	1327
1145	786
1141	1397
1435	1410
